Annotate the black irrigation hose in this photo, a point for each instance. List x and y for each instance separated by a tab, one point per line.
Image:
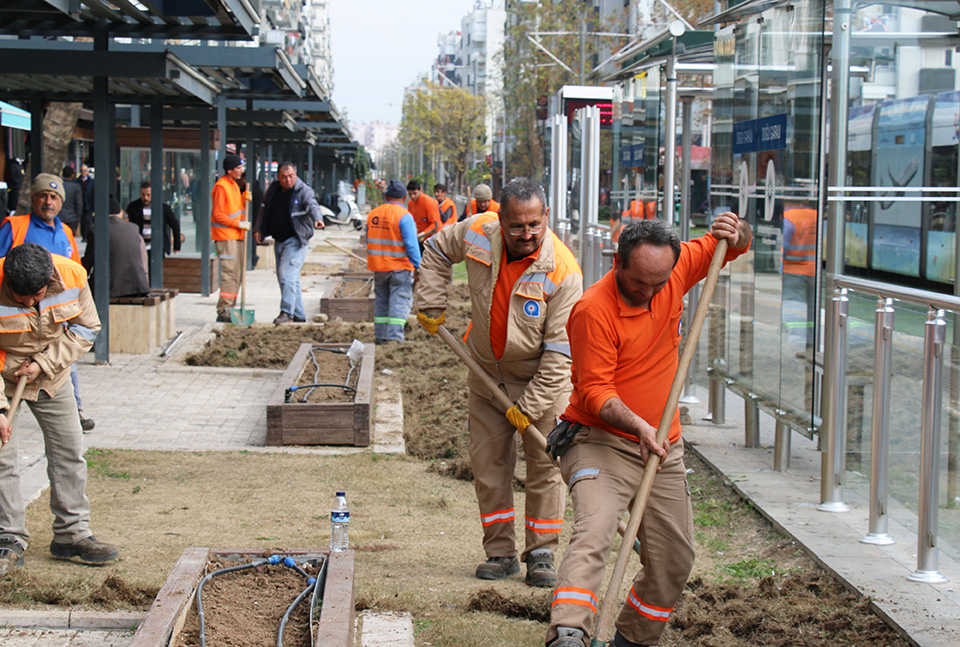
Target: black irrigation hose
311	582
316	373
289	562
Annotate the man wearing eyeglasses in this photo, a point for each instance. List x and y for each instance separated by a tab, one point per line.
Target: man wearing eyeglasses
523	284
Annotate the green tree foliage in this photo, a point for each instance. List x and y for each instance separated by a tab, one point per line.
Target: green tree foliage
361	164
529	72
448	122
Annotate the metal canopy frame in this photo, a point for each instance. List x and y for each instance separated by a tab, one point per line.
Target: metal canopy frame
208	19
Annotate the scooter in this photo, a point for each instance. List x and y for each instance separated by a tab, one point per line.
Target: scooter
349	213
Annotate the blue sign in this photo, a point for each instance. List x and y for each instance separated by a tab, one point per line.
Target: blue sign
638	154
755	135
626	156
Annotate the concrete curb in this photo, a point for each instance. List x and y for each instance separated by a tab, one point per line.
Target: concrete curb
72	619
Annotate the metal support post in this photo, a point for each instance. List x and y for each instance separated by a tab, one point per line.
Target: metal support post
690	387
880	440
558	172
201	210
157	227
101	225
781	444
934	344
589	177
751	417
670	136
834	440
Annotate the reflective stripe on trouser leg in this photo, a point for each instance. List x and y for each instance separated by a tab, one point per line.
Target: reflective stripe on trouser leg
230	253
666	538
289	256
602	486
546	495
66	468
393	298
493	455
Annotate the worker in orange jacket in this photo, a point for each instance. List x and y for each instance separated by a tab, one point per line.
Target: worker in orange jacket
481	203
425	211
624	334
227	228
448	210
800	267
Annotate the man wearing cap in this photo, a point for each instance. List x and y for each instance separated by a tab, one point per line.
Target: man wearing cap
227	228
393	255
50	320
128	256
44	227
481	203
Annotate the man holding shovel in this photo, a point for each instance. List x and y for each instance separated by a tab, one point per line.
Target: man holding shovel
523	283
49	320
624	334
228	228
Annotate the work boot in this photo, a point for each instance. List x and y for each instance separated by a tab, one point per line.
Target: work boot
11	554
620	641
87	424
540	569
88	551
497	568
283	318
567	637
223	317
299	319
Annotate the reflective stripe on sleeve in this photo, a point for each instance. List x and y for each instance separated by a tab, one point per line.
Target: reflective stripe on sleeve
648	610
82	331
563	349
477	240
433	246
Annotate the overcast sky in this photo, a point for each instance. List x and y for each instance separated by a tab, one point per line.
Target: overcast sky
379	47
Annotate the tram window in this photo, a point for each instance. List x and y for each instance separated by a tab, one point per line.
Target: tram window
948	57
899	139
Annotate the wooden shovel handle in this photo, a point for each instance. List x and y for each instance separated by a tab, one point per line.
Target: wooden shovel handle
607	607
344	250
15	402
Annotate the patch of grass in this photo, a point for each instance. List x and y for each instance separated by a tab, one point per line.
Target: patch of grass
712	513
460	272
98	464
749	569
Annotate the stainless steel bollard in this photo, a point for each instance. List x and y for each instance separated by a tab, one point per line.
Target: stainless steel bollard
781	444
880	440
928	555
751	416
833	444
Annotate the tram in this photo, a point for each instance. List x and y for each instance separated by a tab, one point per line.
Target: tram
901	151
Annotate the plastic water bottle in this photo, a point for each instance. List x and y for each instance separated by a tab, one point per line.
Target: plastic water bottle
340	525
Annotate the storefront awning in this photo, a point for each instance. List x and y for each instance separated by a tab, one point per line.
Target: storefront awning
14	117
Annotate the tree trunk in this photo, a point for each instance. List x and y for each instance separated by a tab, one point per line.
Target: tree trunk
59	122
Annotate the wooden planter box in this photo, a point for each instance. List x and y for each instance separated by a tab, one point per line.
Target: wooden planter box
322	423
140	324
349	308
168	613
183	273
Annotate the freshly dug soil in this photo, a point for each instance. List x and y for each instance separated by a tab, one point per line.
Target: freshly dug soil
266	346
244	608
327	367
353	288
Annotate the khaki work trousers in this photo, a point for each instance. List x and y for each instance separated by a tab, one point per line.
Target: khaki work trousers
493	455
604	473
230	253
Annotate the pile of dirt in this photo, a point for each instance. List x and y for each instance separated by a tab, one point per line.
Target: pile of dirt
244	608
434	383
266	346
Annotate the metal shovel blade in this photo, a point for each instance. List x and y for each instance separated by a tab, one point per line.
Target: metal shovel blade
242	317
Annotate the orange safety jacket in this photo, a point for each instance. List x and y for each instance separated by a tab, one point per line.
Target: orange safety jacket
472	208
18	230
386	250
800	252
228	210
448	212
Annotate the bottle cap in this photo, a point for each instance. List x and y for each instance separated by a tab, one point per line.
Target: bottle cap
341	494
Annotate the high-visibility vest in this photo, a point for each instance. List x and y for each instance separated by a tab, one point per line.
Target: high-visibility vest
800	252
386	250
472	208
452	217
228	208
650	210
19	225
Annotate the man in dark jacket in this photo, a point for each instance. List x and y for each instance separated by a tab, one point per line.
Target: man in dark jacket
128	256
73	204
289	214
86	189
140	213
